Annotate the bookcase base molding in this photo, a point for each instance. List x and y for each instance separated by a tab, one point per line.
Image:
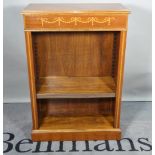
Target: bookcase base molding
45	135
75	56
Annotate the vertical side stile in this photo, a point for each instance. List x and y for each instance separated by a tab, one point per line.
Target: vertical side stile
120	72
30	61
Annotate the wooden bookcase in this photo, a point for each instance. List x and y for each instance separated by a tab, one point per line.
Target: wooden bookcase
75	56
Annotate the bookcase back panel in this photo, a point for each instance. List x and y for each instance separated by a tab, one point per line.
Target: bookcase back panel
76	107
73	53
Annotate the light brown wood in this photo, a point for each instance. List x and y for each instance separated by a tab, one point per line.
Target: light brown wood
70	22
31	79
75	87
76	128
75	58
76	123
74	8
121	58
76	107
106	134
79	17
73	53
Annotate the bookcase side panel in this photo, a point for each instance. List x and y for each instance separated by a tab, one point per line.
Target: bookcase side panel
31	73
119	82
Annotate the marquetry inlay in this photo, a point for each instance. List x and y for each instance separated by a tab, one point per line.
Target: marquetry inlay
77	20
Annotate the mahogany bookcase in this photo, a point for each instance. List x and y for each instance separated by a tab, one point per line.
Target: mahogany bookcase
75	55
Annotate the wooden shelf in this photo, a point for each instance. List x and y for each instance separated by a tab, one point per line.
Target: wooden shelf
76	123
76	128
75	87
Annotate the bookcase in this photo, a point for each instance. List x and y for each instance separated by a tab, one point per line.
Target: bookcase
75	55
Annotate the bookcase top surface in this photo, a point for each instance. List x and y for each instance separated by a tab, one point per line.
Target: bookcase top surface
75	8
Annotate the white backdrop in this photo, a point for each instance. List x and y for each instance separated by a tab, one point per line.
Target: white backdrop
137	79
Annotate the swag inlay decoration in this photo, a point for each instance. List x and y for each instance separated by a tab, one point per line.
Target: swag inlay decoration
76	20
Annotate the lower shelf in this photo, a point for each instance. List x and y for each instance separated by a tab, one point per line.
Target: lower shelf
76	123
76	128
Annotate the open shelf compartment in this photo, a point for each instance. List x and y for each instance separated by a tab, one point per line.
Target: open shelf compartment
75	64
89	116
77	123
76	113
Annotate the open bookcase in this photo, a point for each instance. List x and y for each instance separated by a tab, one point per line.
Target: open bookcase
75	70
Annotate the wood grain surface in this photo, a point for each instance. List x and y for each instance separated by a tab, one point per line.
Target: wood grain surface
73	53
72	8
76	87
76	107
